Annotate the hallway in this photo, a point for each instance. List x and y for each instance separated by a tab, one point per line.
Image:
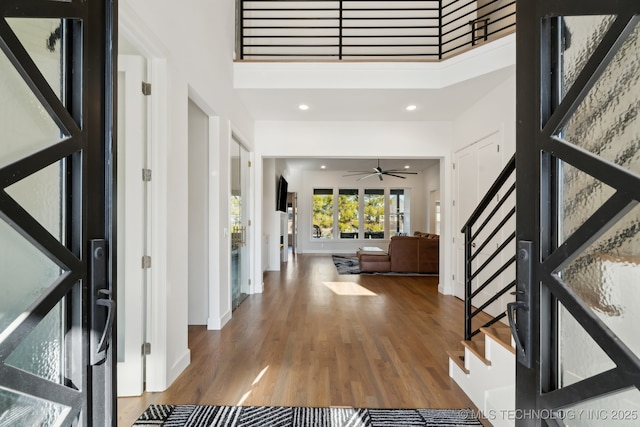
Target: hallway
314	338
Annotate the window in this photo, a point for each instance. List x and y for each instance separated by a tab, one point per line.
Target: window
348	214
374	213
322	213
396	213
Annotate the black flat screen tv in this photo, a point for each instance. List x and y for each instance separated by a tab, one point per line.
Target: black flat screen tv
281	195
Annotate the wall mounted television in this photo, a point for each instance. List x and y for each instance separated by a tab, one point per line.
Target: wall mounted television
281	194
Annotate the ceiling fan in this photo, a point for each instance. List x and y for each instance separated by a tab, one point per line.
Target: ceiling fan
379	172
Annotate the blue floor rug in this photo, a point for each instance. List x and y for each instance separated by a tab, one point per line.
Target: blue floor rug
279	416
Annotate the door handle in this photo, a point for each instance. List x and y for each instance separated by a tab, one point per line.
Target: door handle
102	304
519	312
512	307
111	308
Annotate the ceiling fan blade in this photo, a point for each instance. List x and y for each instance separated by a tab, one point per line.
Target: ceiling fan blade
366	176
354	173
401	171
397	176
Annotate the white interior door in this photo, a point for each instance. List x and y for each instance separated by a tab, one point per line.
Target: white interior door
476	167
131	224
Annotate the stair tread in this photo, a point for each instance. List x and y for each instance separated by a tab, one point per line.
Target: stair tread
458	358
500	334
476	346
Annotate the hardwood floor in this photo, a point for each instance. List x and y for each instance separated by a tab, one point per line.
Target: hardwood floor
314	338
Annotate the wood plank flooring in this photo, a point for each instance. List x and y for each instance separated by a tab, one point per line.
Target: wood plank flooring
314	338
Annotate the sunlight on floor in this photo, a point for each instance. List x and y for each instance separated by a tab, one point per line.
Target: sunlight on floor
255	381
259	377
243	398
349	288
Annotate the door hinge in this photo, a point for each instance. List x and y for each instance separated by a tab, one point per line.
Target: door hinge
454	165
249	223
249	163
146	175
453	240
249	281
146	261
498	147
454	203
146	349
146	88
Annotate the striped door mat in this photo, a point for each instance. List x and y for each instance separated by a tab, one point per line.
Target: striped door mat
279	416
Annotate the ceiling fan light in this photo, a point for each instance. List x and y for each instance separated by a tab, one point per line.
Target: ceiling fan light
411	107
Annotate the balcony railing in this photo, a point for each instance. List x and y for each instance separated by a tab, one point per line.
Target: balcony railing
368	29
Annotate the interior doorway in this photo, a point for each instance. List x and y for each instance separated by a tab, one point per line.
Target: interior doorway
292	221
434	211
198	215
239	219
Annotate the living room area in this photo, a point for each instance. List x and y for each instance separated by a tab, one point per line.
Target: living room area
472	103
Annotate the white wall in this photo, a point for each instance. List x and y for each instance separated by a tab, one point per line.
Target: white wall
492	114
208	27
496	111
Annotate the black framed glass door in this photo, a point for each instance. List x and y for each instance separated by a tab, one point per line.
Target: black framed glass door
578	146
55	213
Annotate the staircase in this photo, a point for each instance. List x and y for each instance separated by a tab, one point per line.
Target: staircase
485	367
485	370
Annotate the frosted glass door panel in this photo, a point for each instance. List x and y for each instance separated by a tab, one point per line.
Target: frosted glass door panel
26	125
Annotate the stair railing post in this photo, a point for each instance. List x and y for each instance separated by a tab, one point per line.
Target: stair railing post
467	282
440	30
240	33
340	34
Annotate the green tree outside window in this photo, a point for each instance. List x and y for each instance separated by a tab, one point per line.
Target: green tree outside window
322	214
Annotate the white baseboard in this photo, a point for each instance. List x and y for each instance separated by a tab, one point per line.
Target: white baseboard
180	365
445	288
259	288
217	324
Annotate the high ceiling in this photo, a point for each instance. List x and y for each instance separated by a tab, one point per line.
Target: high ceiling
360	164
443	104
369	104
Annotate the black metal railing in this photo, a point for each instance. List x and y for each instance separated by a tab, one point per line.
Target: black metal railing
490	254
368	29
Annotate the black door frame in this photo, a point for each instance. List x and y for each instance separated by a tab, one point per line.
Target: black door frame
540	114
87	151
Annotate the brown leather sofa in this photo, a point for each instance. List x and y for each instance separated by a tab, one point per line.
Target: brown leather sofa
406	254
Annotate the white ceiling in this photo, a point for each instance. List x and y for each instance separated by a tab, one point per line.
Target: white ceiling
369	104
443	104
359	164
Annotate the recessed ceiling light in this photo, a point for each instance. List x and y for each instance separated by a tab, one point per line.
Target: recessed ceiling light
411	107
303	107
407	166
323	167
